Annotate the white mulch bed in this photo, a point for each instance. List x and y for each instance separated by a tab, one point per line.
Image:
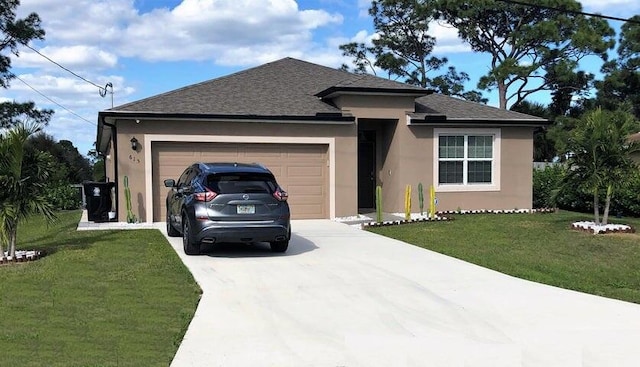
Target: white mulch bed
598	228
353	218
21	256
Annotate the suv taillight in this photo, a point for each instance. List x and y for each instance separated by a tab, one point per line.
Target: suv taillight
205	196
280	195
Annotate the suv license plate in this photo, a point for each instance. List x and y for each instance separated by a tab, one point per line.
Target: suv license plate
246	209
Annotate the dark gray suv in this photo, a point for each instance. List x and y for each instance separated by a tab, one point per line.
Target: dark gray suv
227	202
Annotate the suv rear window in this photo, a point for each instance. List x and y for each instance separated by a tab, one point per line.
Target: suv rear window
239	183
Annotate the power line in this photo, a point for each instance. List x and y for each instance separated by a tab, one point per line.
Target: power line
570	11
101	90
52	101
66	69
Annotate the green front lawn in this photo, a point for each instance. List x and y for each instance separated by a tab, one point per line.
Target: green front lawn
537	247
100	298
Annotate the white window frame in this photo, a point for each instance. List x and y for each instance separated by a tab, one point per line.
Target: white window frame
465	187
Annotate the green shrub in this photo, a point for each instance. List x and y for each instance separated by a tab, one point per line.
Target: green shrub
549	181
545	181
627	200
64	197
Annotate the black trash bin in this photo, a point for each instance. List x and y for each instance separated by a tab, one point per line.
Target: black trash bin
98	200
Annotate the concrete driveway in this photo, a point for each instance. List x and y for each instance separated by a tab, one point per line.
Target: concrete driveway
345	297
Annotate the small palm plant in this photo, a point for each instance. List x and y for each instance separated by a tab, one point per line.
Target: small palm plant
601	156
23	180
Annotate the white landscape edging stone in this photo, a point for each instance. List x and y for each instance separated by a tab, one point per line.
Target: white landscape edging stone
594	228
499	211
415	218
21	256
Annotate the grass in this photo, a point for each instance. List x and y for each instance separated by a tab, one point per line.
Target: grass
537	247
99	298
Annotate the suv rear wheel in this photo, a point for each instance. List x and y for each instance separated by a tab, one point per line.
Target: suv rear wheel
281	246
190	248
171	232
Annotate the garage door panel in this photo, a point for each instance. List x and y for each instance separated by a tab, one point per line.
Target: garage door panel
303	150
307	211
263	152
314	172
301	190
307	182
302	159
277	171
299	168
222	152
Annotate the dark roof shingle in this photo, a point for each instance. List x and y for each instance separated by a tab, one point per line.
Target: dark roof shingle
457	109
287	87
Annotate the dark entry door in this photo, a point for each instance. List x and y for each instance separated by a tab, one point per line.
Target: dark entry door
366	169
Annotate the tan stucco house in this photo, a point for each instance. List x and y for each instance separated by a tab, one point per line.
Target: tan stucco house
329	136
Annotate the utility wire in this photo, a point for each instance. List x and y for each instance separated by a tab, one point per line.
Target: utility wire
569	11
66	69
101	90
52	101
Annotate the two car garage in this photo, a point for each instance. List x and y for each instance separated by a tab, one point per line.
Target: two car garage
301	169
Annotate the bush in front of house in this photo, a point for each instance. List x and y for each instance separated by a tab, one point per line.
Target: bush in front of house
545	181
549	181
627	200
63	197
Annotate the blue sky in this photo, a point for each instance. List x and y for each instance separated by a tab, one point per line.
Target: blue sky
146	47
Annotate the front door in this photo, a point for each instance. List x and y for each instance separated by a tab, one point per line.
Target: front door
366	169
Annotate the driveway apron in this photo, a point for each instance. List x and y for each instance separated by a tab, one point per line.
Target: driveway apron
345	297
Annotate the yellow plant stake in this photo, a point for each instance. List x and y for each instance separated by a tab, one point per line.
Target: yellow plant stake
432	201
407	203
379	204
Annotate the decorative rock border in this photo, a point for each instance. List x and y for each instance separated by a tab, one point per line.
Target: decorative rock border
591	227
499	211
397	222
441	216
580	226
21	257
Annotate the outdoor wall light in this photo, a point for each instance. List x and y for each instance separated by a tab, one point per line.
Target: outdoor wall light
134	144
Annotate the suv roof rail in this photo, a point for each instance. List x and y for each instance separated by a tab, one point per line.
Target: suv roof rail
213	165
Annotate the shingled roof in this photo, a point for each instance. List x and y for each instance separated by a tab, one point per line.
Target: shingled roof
287	87
438	108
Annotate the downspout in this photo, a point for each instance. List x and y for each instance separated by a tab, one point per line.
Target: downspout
114	134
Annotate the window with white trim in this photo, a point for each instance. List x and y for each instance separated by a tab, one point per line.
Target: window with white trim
465	159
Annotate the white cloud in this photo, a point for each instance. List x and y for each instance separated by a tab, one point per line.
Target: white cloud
193	30
74	57
99	37
447	40
363	8
82	21
364	37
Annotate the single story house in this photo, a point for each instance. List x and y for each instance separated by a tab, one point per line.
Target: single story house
329	136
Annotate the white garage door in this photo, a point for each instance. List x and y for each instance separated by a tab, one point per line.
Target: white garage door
301	169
